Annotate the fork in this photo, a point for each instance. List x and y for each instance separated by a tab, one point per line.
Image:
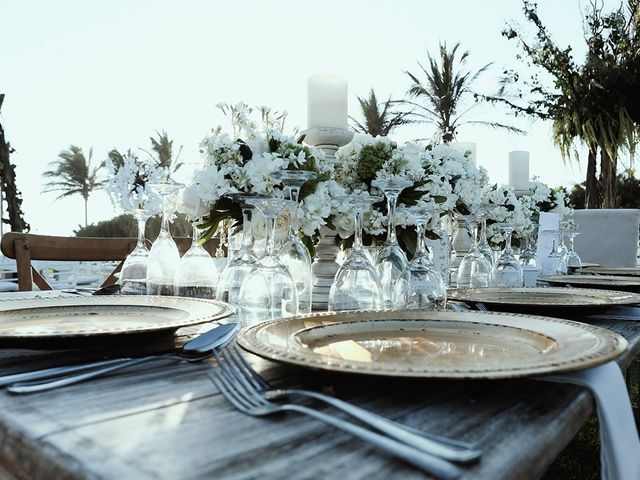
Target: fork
443	447
244	397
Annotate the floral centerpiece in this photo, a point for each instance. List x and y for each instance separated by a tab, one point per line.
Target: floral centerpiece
245	160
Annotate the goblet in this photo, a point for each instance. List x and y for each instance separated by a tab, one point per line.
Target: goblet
356	285
293	254
197	273
391	259
529	252
572	259
474	269
240	265
507	271
483	243
133	277
420	286
164	256
268	292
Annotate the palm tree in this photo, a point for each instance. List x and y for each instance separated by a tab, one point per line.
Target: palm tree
72	174
441	96
379	119
162	149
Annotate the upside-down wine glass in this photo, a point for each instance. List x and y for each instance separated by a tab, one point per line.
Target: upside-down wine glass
292	252
197	273
420	286
572	259
356	285
268	292
391	259
474	269
133	277
240	265
164	255
507	271
483	243
529	252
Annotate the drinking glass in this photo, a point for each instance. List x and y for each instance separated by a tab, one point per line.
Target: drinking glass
293	253
197	273
420	286
391	259
164	256
529	251
507	271
572	259
356	285
474	269
240	265
133	277
268	292
483	243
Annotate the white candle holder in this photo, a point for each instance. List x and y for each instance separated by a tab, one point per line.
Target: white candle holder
324	265
522	193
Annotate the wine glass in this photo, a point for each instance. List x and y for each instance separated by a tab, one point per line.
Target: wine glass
268	291
529	252
572	259
420	286
474	269
391	259
507	271
483	243
240	265
293	253
133	277
164	256
197	273
356	285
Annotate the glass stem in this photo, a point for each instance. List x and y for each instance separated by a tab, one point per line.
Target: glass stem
474	232
421	248
294	194
392	203
507	247
142	223
196	235
271	231
357	242
164	228
483	231
247	239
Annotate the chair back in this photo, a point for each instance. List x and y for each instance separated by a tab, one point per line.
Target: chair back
26	248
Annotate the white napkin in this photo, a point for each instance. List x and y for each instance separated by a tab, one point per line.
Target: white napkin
619	443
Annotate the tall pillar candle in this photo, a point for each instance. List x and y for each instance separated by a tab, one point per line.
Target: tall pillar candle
326	102
519	170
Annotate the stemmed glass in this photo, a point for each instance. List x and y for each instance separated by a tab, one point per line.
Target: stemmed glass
133	277
268	291
420	285
483	243
572	259
528	253
293	254
474	269
164	256
356	285
240	265
507	271
197	273
391	259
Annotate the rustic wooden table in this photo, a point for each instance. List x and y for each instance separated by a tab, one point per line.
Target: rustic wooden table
170	423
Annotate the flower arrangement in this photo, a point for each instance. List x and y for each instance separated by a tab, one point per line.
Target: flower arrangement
245	160
127	181
505	207
545	199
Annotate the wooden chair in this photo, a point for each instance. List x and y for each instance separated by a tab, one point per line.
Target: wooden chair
26	247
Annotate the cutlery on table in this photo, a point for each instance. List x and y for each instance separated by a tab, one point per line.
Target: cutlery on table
198	349
449	449
244	397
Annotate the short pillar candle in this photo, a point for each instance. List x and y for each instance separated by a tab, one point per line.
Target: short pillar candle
519	170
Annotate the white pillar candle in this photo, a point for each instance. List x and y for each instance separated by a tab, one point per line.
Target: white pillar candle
519	170
467	148
326	102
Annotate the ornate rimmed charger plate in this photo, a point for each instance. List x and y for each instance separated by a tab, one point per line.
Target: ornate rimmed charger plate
80	316
624	271
412	343
616	282
545	297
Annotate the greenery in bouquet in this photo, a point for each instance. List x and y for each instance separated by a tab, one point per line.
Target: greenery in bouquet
127	182
244	161
505	207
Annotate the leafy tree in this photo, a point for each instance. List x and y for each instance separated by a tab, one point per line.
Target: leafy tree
125	226
593	103
72	175
378	119
442	96
9	187
627	188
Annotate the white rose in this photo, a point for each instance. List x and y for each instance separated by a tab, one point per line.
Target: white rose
190	203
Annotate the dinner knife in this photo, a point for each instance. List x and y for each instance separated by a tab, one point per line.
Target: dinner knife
197	349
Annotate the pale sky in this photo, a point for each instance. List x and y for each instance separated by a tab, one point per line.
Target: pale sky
109	74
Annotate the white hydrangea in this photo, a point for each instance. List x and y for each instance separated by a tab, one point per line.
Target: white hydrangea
127	184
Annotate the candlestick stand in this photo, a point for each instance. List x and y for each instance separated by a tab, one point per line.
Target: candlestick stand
324	265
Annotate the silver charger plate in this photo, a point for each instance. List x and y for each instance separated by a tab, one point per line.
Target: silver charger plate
624	271
79	316
544	297
616	282
412	343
